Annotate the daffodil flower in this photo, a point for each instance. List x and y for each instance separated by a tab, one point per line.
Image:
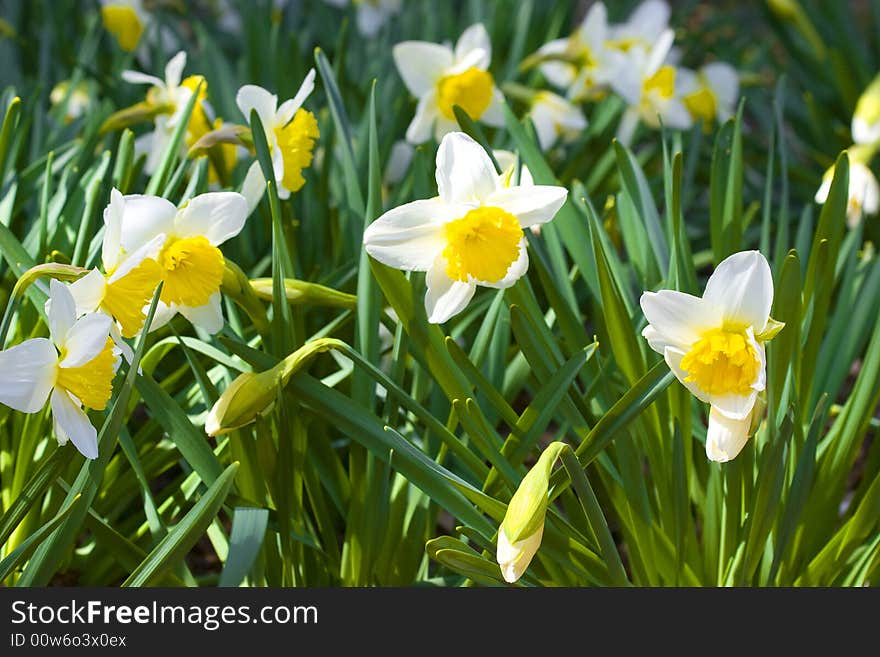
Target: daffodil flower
863	194
648	87
866	118
184	243
582	63
72	369
126	20
441	78
171	96
371	14
469	235
290	133
709	94
129	279
643	27
79	99
715	344
554	118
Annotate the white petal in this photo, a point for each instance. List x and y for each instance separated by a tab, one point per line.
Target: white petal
675	115
86	339
124	348
659	51
514	558
208	317
136	77
474	38
656	340
530	205
27	374
419	130
681	319
164	314
494	114
724	81
593	29
174	70
145	217
251	97
421	64
289	107
399	161
149	250
686	81
864	132
443	127
112	244
627	127
725	437
73	424
465	174
218	216
445	297
628	81
60	311
559	74
825	187
516	271
742	286
253	187
88	292
410	236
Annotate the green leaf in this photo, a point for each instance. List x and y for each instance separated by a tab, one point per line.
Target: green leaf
245	541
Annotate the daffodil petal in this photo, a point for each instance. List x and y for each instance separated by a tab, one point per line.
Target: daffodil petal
289	107
659	51
421	64
88	292
675	115
218	216
679	318
474	38
494	114
136	77
174	69
537	204
145	217
164	314
60	311
724	81
208	317
27	374
251	97
253	187
149	250
86	339
742	286
559	74
465	174
725	437
410	236
72	423
445	297
112	244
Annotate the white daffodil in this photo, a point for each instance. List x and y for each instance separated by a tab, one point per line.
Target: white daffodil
129	279
648	87
126	20
371	14
715	344
582	63
441	78
866	118
711	93
863	197
469	235
79	99
643	27
73	369
184	242
554	118
171	95
290	133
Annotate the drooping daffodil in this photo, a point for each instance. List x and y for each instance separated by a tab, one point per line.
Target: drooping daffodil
866	118
73	369
863	193
371	15
555	118
441	78
184	243
290	132
648	86
470	234
582	63
715	345
709	94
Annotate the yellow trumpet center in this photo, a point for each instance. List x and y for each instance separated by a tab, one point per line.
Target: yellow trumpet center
192	269
123	23
91	382
702	104
297	141
125	298
482	245
722	362
471	90
663	82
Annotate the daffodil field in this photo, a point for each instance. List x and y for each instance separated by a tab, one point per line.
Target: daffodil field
467	293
